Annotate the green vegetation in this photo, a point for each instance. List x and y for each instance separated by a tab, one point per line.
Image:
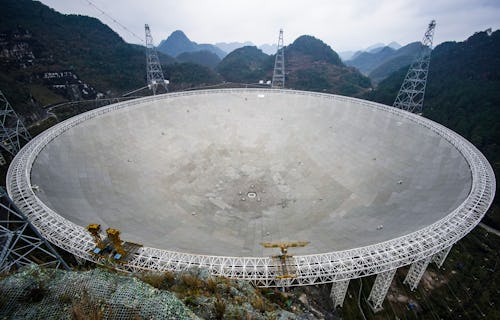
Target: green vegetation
314	48
246	65
78	43
204	58
312	65
220	298
184	76
381	63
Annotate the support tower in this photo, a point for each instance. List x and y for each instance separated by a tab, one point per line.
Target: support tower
13	133
20	243
279	65
153	67
411	94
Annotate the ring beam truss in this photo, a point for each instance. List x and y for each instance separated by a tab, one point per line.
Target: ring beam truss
310	269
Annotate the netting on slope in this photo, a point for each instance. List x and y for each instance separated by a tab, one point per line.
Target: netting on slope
36	293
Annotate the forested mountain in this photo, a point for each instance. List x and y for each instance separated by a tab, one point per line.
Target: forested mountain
379	63
366	61
178	43
47	57
313	65
247	65
400	58
463	93
39	46
204	58
310	64
185	76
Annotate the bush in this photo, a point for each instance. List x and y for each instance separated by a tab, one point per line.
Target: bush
219	308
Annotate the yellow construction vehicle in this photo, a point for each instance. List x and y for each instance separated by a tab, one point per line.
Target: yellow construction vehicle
112	244
95	231
114	236
284	256
284	245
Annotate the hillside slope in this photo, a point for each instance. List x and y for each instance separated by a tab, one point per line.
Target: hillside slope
246	65
37	40
204	58
313	65
310	64
178	43
378	64
39	293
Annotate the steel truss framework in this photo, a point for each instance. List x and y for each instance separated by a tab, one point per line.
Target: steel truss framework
440	257
337	294
416	272
20	242
411	94
311	269
153	66
379	289
12	131
279	65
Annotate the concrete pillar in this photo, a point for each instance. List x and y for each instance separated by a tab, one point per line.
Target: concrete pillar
380	288
337	294
440	257
416	272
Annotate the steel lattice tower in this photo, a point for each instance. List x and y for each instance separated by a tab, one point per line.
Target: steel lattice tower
20	243
13	134
279	65
153	67
411	95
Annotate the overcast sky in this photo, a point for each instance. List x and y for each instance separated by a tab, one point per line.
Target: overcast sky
344	25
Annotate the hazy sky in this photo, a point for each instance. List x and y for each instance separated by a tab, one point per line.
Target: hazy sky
344	25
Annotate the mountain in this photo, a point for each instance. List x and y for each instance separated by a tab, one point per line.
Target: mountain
184	76
246	65
374	47
231	46
269	48
379	46
37	41
47	57
178	43
394	45
313	65
402	57
380	62
463	93
346	55
367	61
310	64
204	58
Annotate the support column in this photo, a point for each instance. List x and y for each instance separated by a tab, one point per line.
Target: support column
440	257
79	260
20	242
337	294
379	289
416	272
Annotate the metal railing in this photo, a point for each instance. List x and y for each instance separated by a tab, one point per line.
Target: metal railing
311	269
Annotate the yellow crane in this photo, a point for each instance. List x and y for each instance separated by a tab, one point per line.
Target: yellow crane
112	244
284	256
95	231
114	236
